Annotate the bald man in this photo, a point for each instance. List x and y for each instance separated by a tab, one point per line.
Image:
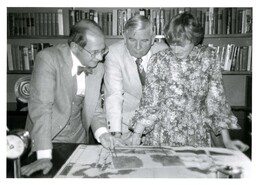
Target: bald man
65	94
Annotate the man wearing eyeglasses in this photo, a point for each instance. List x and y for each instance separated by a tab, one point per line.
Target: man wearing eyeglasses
125	71
65	94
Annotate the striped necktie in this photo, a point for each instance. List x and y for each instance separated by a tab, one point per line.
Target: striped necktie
141	70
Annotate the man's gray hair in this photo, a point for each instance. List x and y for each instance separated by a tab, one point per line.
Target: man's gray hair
138	22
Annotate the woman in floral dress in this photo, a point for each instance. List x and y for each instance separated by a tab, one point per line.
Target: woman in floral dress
183	99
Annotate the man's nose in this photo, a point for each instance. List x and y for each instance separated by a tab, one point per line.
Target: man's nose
99	57
138	45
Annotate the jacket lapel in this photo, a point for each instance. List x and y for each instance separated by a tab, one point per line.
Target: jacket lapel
92	92
130	68
66	67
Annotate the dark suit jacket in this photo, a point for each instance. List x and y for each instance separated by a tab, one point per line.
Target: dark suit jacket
52	89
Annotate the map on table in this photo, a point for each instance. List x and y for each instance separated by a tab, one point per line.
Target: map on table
94	161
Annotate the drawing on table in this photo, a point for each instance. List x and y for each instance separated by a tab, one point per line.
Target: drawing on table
98	162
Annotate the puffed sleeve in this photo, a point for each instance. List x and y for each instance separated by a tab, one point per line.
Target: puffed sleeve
218	110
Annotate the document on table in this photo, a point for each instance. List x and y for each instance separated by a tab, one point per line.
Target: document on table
94	161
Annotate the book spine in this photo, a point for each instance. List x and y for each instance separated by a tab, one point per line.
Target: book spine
161	21
129	13
53	23
233	20
227	62
96	17
33	24
41	24
248	24
77	16
12	24
25	24
220	19
29	28
224	21
45	24
100	20
8	24
9	57
60	22
237	65
26	59
37	22
114	22
158	31
71	17
21	25
109	23
249	61
50	24
206	23
105	23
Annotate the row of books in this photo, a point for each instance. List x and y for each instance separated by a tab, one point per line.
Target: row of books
35	23
21	58
214	20
235	58
227	21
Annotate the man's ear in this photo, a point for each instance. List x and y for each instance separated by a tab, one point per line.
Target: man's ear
73	47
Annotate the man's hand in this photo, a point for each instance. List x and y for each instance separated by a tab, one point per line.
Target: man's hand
40	164
110	142
134	140
236	145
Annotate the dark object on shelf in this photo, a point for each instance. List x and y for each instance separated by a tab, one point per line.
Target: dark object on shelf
21	89
21	106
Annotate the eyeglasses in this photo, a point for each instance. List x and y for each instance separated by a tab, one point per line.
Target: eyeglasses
97	52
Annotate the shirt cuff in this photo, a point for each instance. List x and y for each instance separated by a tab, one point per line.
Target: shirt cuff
99	132
41	154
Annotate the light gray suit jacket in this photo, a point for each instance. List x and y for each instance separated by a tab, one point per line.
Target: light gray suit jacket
52	90
122	86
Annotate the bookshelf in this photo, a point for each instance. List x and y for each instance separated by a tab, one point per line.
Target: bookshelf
236	30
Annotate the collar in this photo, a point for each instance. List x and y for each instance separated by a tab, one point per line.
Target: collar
76	63
145	58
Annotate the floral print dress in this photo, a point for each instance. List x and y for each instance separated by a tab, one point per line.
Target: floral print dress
183	100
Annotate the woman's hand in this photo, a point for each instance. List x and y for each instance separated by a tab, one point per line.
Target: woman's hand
236	145
233	144
134	140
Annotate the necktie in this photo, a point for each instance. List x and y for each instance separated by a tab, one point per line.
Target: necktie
141	70
86	70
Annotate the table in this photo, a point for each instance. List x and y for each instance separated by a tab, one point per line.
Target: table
90	161
60	153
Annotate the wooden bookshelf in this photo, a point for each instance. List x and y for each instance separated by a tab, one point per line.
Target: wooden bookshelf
243	39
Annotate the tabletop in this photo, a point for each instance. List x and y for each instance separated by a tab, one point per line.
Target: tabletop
94	161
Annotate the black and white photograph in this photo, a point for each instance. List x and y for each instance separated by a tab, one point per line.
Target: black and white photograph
113	90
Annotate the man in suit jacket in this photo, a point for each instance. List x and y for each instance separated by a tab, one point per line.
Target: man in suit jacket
123	87
64	98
